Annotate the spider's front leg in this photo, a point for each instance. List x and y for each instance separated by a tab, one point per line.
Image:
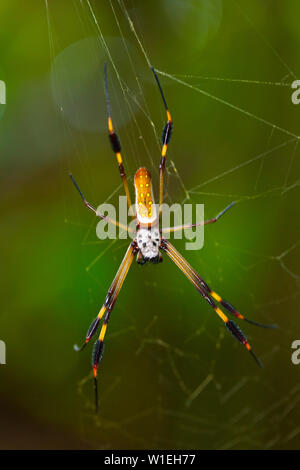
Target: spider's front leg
165	139
116	144
105	312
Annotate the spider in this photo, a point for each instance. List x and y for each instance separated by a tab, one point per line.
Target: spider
149	243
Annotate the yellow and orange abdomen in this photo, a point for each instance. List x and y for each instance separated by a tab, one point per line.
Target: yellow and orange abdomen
144	200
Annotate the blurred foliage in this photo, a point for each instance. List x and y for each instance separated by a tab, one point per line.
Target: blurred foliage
171	376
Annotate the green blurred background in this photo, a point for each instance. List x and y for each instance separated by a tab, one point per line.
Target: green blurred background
171	376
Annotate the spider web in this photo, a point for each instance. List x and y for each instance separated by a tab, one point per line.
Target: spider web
171	376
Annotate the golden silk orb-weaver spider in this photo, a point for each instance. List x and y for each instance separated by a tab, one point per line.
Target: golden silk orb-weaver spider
149	242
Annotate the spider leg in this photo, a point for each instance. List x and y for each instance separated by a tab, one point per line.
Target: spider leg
89	206
115	143
230	308
105	312
230	325
205	222
165	139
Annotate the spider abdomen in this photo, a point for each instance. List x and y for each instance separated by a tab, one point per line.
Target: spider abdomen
144	200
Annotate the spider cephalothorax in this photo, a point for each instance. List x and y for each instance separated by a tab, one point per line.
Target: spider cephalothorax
148	241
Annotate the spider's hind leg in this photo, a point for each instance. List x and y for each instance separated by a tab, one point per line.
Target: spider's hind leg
140	259
158	259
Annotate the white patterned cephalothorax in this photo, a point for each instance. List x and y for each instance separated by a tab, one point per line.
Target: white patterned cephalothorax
148	240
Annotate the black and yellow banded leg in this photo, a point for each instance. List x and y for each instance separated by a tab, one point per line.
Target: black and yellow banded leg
99	344
115	143
230	325
228	307
233	311
111	294
98	354
165	139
